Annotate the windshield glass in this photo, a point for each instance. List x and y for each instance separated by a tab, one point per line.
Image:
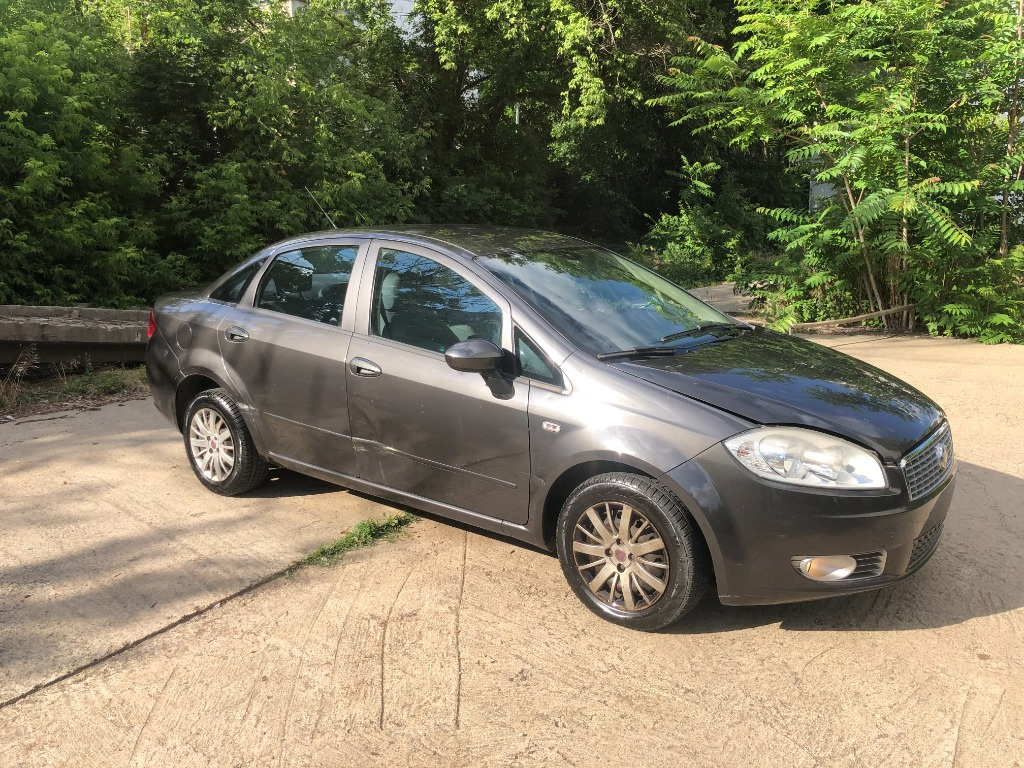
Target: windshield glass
599	301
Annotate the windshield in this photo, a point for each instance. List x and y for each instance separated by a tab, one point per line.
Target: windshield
599	301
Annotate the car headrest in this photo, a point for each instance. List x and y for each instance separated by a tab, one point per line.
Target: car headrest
334	292
389	290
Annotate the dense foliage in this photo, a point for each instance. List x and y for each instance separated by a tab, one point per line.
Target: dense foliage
146	144
905	115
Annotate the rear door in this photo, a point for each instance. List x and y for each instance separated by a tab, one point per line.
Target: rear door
286	349
418	426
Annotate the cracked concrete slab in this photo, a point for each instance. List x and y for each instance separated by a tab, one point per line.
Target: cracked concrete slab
105	535
451	647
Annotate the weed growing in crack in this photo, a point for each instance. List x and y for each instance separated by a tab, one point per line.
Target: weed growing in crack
364	534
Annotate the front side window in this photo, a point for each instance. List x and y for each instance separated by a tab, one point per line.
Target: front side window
422	303
310	283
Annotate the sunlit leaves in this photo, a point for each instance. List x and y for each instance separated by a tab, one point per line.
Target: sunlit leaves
904	116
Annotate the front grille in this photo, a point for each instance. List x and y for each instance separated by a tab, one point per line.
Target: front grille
868	565
928	465
924	545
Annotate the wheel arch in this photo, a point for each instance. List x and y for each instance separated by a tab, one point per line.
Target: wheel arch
187	390
572	477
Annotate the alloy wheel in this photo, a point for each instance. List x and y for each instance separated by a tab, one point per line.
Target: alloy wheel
621	556
213	448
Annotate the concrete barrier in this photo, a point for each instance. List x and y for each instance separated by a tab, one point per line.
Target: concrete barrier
77	334
73	334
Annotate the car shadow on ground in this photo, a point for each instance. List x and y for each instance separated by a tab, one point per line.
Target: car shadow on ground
285	484
977	571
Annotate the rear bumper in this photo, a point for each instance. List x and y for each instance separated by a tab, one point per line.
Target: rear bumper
161	370
755	528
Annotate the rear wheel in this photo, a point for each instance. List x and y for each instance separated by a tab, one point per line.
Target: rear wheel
631	552
219	446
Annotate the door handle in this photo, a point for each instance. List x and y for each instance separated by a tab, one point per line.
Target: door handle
234	333
360	366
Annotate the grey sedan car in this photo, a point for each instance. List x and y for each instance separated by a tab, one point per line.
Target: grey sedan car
541	387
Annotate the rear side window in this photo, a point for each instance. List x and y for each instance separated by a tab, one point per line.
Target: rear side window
310	283
231	290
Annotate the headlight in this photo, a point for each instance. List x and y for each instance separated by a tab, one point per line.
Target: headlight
804	457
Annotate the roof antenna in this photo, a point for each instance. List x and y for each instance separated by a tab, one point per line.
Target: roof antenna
333	225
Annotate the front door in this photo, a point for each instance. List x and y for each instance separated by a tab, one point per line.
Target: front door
419	426
286	353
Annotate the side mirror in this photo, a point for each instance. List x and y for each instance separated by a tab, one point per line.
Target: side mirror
473	356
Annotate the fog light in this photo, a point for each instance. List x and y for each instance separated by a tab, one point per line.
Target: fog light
826	568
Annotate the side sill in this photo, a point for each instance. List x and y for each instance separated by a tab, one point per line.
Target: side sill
417	502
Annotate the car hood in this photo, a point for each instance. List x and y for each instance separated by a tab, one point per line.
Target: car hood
770	378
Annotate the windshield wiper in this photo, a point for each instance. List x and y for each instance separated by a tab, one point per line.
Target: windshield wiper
625	354
700	329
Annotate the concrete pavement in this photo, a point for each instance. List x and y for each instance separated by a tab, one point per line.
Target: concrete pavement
451	647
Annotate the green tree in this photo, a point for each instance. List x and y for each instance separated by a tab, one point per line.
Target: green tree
577	76
907	111
248	109
74	180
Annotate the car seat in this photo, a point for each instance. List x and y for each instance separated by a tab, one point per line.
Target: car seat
386	310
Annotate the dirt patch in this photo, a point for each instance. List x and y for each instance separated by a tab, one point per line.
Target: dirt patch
25	392
451	647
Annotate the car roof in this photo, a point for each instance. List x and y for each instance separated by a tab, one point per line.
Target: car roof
474	240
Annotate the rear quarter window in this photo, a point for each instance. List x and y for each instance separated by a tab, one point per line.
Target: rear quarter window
231	290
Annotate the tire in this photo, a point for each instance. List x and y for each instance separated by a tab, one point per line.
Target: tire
219	446
599	562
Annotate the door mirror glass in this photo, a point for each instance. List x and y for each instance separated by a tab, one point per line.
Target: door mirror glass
474	356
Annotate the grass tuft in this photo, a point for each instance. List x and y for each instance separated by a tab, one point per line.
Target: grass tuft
20	395
364	534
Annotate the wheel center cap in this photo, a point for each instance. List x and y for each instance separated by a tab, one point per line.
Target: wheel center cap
621	555
213	445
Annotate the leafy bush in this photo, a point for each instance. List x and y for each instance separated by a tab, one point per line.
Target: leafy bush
713	236
905	115
73	223
988	300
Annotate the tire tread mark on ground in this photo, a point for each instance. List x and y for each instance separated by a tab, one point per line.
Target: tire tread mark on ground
813	659
334	667
913	694
152	709
458	634
383	643
881	596
298	669
960	728
995	711
250	697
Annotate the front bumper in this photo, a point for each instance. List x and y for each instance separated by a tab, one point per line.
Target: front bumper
754	528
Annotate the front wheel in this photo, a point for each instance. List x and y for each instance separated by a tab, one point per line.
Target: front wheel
219	446
631	552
